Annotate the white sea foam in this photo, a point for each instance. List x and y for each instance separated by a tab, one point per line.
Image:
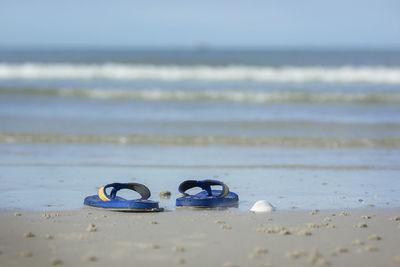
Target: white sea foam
237	96
344	74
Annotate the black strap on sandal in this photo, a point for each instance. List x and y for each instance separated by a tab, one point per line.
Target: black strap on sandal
205	185
140	188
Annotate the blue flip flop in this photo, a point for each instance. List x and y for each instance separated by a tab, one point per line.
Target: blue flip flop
112	202
207	198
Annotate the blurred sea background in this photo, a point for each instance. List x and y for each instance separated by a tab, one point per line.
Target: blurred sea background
299	128
297	103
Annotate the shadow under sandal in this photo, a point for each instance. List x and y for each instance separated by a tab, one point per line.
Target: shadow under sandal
207	198
113	202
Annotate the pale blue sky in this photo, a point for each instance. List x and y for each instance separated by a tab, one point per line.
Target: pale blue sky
171	23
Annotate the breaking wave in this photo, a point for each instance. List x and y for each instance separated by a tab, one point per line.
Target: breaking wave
111	71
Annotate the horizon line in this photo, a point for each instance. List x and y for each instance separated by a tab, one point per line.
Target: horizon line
201	47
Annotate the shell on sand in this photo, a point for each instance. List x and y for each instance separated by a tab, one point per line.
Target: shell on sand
262	206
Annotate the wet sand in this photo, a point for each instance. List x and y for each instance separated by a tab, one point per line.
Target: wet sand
86	237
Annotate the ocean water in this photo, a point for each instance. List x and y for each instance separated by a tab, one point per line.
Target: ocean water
304	129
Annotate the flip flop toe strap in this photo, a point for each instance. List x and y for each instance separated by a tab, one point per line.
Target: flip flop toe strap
140	188
205	185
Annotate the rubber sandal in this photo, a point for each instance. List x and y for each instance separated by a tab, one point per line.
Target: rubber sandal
113	202
207	198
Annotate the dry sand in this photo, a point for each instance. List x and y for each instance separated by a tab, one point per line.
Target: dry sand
91	237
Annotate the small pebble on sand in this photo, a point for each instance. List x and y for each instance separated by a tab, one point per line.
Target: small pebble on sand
17	214
344	213
295	254
284	232
357	242
25	254
46	216
153	222
374	238
178	249
89	258
361	225
91	228
258	252
316	259
327	219
274	230
370	205
339	250
147	245
29	235
229	264
313	225
304	233
48	237
225	227
367	217
261	229
180	261
371	248
55	261
313	212
396	219
165	194
332	214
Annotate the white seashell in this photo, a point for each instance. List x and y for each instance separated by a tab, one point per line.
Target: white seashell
262	206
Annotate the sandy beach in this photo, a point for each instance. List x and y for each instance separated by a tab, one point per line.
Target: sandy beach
86	237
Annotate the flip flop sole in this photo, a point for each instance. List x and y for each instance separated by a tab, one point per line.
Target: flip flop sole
127	209
121	204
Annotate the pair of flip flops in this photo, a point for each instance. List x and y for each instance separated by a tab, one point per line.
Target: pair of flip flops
207	198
